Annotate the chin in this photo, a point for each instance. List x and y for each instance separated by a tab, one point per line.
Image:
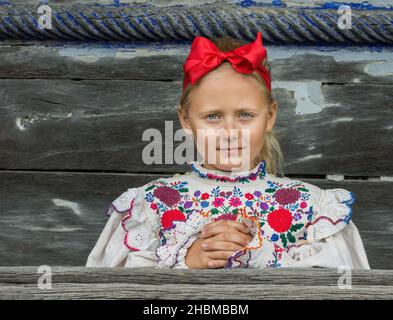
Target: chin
230	163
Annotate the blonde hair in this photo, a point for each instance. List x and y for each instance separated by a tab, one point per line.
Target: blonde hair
271	151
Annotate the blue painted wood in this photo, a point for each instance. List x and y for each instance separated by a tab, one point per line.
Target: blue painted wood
278	22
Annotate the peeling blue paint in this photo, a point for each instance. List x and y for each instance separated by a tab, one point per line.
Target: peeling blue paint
365	5
329	5
278	3
247	3
275	3
118	4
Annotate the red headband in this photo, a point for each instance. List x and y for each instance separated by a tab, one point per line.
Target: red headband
205	56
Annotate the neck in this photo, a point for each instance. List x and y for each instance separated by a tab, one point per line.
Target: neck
245	167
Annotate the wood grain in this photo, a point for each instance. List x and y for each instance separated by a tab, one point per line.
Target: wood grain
163	62
146	283
98	125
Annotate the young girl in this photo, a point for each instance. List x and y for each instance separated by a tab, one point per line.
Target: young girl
220	214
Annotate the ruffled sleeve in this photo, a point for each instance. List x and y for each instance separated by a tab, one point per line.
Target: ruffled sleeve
333	240
129	238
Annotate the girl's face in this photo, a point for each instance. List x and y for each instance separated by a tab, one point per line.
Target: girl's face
229	117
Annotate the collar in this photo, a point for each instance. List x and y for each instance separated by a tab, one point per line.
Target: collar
199	172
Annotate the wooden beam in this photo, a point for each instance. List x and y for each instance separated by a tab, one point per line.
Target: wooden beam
147	283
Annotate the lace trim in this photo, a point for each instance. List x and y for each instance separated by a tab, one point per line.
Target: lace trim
239	258
123	223
335	212
179	240
122	203
183	249
230	176
296	245
125	203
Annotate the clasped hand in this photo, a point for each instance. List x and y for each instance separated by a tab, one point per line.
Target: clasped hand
217	242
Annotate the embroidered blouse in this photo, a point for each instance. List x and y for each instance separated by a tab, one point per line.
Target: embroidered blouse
293	223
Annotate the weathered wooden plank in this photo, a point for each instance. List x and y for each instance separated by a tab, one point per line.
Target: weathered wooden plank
189	292
98	125
285	276
43	214
163	62
142	283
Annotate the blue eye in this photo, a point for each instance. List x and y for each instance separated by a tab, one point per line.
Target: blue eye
212	118
247	115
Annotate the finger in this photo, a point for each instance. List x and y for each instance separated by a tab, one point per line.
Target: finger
219	255
234	236
214	264
212	230
220	246
234	224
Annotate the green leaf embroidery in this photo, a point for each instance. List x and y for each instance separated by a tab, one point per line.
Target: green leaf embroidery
214	211
303	189
296	227
270	190
151	187
283	239
183	190
234	211
290	237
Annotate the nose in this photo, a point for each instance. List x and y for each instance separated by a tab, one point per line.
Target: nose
231	132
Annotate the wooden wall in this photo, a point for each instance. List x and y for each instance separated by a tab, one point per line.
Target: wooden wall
72	115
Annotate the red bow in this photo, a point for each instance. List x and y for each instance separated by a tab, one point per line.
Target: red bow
205	56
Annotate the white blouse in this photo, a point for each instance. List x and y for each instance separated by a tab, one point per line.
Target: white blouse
293	223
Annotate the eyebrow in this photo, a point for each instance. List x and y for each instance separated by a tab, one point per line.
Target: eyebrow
242	109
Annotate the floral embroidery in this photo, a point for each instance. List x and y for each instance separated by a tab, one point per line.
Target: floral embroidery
282	212
279	213
169	201
280	220
171	215
167	195
277	256
258	172
287	196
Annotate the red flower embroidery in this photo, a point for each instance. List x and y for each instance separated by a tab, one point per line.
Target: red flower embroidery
153	206
235	202
249	196
277	248
205	196
167	195
280	220
218	202
303	205
287	196
171	215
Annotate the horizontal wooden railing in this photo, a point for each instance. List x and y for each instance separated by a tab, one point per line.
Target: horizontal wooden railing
150	283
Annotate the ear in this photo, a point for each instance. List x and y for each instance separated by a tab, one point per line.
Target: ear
272	116
184	120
